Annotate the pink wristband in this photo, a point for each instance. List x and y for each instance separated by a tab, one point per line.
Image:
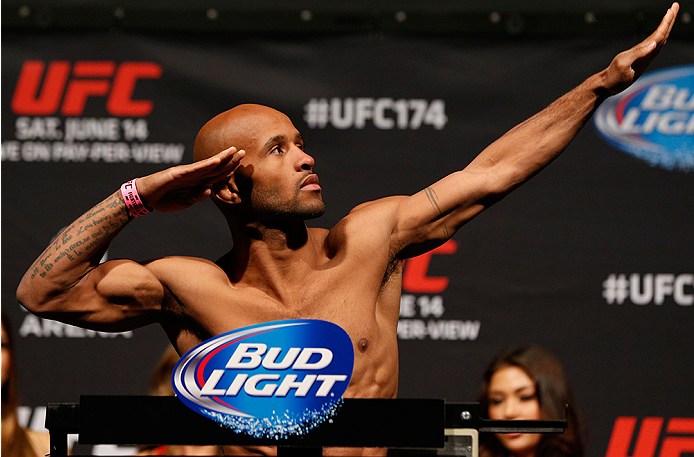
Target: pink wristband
132	199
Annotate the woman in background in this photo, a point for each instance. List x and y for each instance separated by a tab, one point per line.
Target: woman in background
16	441
529	383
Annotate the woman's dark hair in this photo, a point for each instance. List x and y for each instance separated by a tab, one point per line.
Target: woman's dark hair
553	394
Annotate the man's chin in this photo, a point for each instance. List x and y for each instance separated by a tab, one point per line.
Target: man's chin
288	214
309	209
314	214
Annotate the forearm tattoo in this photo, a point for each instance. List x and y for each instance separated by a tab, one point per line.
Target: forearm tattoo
93	230
433	200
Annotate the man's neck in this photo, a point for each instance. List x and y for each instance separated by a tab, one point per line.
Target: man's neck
271	257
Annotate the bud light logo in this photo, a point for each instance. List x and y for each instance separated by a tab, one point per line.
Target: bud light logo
653	120
270	380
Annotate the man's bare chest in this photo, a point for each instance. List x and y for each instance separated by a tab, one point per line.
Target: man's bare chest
235	307
212	307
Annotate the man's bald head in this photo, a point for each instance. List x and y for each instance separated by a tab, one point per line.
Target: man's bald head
240	127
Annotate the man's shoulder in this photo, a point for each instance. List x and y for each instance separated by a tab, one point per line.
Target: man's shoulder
381	206
366	221
375	215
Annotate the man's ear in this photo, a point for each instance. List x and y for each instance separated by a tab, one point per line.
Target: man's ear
227	191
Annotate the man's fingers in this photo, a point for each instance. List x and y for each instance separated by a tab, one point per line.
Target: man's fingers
228	164
228	159
675	9
662	33
222	170
217	166
223	157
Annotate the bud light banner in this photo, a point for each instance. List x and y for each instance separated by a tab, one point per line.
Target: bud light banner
271	380
654	119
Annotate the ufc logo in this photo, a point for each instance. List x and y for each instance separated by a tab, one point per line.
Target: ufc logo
77	83
414	276
648	437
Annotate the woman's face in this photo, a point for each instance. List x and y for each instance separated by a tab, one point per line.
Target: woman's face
5	356
513	395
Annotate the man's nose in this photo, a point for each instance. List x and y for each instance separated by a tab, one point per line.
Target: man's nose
305	161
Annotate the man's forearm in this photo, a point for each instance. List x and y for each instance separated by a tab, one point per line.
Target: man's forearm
75	251
535	143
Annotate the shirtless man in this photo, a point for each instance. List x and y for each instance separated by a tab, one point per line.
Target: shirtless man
251	161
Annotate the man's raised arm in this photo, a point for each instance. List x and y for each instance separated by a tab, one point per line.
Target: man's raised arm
68	284
432	216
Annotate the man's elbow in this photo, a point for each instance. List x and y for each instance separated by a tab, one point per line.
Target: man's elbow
28	298
36	298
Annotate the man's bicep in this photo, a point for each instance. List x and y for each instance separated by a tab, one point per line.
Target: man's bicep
115	296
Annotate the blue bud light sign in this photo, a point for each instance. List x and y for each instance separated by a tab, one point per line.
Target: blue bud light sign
270	380
653	119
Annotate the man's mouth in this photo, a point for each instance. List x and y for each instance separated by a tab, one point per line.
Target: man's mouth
310	183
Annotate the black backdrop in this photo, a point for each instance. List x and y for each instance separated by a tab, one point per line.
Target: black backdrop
534	268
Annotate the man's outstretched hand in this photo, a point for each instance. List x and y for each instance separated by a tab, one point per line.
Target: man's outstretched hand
627	66
179	187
